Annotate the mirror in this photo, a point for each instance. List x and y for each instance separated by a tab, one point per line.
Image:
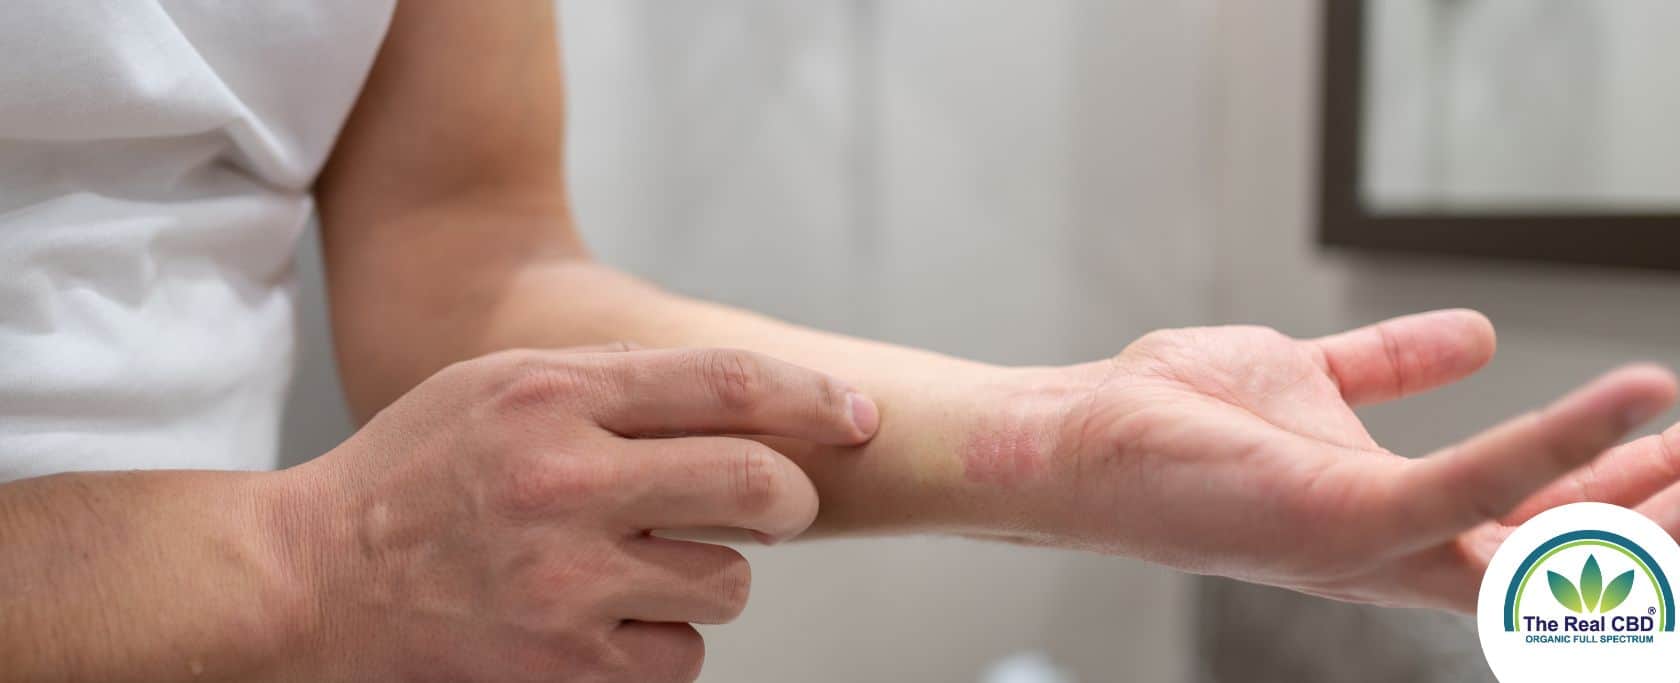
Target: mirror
1561	105
1542	129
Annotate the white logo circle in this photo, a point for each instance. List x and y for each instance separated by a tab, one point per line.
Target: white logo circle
1582	592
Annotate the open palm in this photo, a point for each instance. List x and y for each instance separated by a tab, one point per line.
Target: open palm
1236	451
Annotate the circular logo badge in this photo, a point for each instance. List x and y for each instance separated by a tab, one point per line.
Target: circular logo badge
1581	592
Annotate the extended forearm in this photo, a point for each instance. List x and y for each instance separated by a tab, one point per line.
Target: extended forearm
447	234
143	576
482	275
910	477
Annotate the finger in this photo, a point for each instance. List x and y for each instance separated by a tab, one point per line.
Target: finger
1664	509
682	581
659	652
1407	355
609	347
703	482
692	391
1485	477
1625	476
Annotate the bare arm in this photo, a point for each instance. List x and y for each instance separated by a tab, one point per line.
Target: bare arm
222	576
449	235
1219	450
476	531
145	576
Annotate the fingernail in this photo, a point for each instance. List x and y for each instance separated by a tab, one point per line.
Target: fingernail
864	414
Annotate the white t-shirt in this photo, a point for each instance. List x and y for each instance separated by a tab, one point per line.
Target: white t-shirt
155	164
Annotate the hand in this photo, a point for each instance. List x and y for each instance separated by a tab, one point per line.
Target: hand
1235	451
494	524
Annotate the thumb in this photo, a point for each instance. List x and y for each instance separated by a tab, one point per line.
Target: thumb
1406	355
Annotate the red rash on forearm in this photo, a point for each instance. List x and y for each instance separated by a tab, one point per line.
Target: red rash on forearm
1007	454
1016	445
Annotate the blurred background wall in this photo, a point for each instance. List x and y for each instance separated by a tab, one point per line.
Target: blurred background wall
1021	183
1461	92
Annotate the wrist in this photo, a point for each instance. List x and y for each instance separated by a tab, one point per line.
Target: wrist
292	517
964	448
905	479
1022	447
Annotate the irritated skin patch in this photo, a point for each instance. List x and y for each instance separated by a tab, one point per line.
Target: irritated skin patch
1003	455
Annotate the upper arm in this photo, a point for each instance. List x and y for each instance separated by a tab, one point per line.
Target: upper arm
464	96
444	185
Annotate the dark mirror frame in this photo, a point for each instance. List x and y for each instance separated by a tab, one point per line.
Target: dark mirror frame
1643	240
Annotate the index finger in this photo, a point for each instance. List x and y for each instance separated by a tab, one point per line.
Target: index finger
1487	476
726	391
1626	475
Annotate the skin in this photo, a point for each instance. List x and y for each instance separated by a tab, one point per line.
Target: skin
1218	450
1004	455
1213	450
487	522
494	525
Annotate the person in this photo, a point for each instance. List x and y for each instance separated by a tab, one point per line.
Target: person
493	519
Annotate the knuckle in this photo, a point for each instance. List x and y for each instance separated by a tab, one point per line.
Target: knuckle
759	480
734	377
734	584
832	400
522	380
534	485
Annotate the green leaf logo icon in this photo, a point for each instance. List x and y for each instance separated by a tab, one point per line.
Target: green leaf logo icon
1592	583
1564	591
1593	595
1617	591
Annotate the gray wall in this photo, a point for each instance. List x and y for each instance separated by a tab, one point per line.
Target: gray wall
1086	171
1557	326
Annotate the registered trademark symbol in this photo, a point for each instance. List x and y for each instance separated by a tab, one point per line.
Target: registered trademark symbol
1650	610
